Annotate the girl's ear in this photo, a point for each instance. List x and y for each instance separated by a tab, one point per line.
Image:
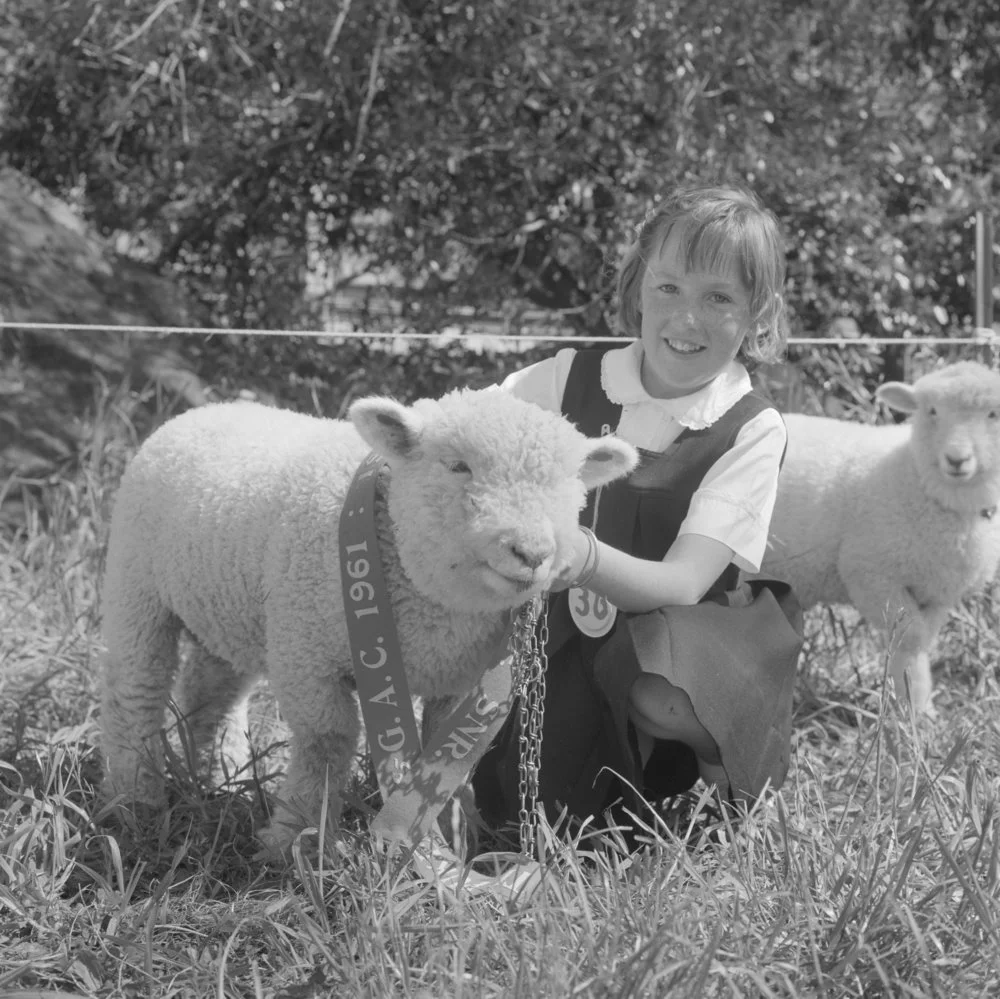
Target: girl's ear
752	342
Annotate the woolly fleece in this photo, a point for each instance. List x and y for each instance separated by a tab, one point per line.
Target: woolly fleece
896	519
226	524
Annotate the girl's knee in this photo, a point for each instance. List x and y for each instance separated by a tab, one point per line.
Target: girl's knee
663	711
655	702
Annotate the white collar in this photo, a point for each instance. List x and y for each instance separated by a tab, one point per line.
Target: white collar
621	379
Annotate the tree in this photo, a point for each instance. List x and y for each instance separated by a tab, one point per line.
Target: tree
493	157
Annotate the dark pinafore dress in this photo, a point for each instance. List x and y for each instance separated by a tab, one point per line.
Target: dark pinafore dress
734	654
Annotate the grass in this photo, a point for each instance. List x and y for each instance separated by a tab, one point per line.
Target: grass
872	872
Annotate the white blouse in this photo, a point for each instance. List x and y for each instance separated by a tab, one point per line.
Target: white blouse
735	500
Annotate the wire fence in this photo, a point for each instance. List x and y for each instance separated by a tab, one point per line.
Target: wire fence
982	336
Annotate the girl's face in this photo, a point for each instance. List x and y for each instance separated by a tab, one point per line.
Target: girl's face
693	321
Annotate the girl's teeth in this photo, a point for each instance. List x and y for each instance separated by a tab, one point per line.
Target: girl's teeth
684	348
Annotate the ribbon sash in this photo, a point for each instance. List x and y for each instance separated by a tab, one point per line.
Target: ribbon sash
414	786
386	705
413	805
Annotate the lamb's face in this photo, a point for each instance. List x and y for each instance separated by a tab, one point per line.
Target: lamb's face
955	436
486	492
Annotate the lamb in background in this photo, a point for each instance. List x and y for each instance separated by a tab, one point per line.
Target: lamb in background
900	521
226	525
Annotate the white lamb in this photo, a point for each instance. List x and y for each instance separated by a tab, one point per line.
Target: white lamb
899	520
226	525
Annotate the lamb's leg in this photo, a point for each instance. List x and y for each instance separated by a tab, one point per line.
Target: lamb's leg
909	655
136	681
213	698
318	766
909	630
323	721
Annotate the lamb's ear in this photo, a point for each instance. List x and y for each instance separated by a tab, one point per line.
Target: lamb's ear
388	427
898	396
607	459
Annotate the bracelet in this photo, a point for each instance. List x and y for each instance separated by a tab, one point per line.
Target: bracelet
592	560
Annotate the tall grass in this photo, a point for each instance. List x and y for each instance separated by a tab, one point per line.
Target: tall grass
872	872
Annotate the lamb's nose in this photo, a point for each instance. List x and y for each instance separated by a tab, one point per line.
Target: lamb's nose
960	464
531	555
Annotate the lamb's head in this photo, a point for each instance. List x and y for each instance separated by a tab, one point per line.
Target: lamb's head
485	491
955	436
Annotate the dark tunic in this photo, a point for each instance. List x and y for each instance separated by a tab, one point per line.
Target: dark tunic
734	654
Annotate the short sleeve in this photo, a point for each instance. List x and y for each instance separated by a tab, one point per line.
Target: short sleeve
736	498
542	383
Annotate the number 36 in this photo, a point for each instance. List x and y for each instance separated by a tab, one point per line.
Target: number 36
591	605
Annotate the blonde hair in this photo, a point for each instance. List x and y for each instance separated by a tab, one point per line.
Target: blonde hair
719	225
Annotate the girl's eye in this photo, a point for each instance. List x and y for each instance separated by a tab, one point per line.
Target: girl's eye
459	467
720	298
668	288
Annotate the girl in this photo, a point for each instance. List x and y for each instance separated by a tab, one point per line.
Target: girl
661	667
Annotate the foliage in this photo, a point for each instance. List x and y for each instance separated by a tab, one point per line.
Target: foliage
492	157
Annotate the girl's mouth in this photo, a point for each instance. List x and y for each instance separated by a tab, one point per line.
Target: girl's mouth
683	347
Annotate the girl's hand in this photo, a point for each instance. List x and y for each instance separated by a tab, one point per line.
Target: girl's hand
638	585
563	579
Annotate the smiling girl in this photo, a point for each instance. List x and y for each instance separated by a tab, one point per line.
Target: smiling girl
662	667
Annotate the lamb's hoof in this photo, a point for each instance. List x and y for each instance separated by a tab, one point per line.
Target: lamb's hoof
276	841
927	716
144	800
922	708
284	836
138	817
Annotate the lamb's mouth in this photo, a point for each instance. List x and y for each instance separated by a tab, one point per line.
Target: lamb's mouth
960	474
520	584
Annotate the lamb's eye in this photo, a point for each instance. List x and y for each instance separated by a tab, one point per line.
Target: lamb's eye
993	414
459	467
932	410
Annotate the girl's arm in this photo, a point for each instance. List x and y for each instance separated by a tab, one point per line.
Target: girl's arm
692	564
727	521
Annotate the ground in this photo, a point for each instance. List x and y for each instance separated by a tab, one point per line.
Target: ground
872	871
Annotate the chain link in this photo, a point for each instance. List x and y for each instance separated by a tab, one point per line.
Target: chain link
528	639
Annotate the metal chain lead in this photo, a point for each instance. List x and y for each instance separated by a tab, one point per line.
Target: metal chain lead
527	647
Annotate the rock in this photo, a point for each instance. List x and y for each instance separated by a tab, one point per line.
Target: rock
55	269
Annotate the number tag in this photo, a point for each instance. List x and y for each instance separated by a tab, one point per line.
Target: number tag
591	613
